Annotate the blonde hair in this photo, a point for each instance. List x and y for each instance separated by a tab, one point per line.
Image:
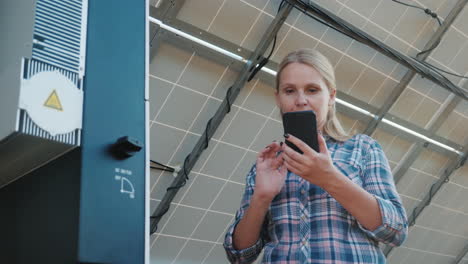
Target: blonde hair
319	62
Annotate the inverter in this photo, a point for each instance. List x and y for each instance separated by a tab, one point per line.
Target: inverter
74	157
42	65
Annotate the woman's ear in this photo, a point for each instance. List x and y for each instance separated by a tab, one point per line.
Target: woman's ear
277	100
332	97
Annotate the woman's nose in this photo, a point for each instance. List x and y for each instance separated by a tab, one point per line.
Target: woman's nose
301	100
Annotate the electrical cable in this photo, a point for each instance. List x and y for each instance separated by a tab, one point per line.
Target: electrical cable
363	38
339	25
264	61
227	109
431	14
166	207
430	48
304	11
444	71
460	164
434	16
160	166
426	10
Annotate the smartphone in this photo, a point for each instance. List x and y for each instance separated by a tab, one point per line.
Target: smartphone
303	125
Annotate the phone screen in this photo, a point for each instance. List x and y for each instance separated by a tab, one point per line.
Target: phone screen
303	125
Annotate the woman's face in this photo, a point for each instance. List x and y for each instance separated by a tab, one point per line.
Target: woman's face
301	88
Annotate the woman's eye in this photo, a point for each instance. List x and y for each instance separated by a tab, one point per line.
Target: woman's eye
312	90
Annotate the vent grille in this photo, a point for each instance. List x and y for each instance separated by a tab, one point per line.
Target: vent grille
57	33
27	126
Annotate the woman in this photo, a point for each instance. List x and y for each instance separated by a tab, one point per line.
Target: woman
332	206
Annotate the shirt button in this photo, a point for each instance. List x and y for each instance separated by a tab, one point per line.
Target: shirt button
303	191
303	217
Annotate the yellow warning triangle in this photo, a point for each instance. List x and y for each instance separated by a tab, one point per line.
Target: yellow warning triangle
53	101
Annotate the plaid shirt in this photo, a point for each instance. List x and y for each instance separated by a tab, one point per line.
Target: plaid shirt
305	224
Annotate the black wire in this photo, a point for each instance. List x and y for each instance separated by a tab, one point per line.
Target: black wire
444	71
153	37
162	169
460	164
406	4
363	37
167	206
228	102
264	61
430	49
431	195
426	10
276	35
185	172
430	13
161	166
304	11
463	161
433	45
272	47
414	62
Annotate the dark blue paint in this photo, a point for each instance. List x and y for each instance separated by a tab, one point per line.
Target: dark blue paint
111	223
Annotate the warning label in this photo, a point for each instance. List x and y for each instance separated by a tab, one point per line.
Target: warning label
53	101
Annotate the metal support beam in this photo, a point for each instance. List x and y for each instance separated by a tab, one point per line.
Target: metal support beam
321	14
452	102
464	252
418	147
400	87
408	159
224	108
461	255
452	167
185	43
207	52
166	11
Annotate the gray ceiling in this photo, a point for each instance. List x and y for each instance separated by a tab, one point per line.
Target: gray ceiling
189	82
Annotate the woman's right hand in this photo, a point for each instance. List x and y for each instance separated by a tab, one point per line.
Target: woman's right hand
271	174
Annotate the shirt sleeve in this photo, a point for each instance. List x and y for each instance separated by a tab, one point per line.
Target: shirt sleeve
247	255
378	181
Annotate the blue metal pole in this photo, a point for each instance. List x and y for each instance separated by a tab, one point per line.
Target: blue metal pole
112	205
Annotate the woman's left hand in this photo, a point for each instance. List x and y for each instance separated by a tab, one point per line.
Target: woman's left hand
315	167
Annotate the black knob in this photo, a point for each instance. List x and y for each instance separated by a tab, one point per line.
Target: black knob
125	147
